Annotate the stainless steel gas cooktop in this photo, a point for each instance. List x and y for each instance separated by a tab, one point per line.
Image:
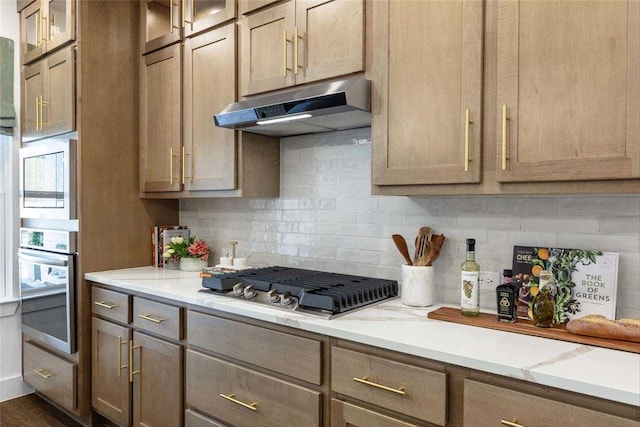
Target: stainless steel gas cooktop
318	293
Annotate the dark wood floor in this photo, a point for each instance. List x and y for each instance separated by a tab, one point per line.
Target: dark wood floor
32	411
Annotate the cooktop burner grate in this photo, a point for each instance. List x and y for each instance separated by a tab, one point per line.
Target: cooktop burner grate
315	290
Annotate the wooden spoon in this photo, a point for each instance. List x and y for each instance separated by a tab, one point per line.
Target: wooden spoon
401	244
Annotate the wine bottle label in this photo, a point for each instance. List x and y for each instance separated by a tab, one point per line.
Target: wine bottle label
470	294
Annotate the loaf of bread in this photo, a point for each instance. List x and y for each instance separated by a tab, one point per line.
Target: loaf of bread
599	326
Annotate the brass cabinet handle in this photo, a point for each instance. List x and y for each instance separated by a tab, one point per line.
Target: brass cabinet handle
231	397
511	423
366	381
193	13
467	122
284	55
120	365
131	371
43	375
37	113
42	104
42	23
184	164
295	51
171	156
184	17
504	137
170	16
149	317
105	305
38	27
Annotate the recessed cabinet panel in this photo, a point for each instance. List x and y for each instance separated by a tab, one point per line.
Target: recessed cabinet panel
330	39
32	90
568	90
161	23
161	142
209	86
427	62
45	26
267	49
204	14
31	41
59	24
345	414
58	109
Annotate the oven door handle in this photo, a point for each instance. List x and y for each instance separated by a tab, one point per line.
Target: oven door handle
42	260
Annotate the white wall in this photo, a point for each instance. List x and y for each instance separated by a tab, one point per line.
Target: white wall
11	384
327	219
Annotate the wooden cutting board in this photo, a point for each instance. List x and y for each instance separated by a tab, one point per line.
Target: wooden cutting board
522	326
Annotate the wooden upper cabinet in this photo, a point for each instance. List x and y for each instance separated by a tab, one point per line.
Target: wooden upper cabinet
161	23
45	25
110	388
300	41
161	121
568	90
48	96
266	49
426	100
209	86
248	6
204	14
330	39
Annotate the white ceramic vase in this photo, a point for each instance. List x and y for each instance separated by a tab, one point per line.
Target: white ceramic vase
416	285
192	264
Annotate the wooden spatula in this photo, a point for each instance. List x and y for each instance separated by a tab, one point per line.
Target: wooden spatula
401	244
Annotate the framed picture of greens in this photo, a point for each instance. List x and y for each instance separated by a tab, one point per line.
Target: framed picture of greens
586	280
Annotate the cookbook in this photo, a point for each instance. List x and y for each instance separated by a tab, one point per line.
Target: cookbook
586	280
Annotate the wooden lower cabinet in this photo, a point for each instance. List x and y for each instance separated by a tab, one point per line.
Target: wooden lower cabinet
344	414
137	379
488	405
243	397
195	419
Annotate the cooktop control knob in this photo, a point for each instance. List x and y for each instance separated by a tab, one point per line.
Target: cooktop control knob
249	292
238	290
272	296
286	299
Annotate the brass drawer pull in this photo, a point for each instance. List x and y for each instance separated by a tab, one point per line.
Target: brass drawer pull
105	305
513	423
231	398
45	375
151	318
380	386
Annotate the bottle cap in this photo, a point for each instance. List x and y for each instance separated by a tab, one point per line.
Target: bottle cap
471	244
507	273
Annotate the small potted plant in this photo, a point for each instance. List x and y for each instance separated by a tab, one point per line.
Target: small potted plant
193	254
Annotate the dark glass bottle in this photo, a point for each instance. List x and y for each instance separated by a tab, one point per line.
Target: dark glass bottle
544	302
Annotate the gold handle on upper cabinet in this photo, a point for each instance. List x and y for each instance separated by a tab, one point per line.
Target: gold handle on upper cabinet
120	365
295	51
150	318
184	13
40	372
105	304
511	423
38	28
42	104
467	122
131	371
504	137
37	113
171	26
284	54
366	381
231	398
184	164
193	13
171	156
42	22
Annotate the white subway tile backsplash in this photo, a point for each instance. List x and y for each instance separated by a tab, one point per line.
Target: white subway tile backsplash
327	219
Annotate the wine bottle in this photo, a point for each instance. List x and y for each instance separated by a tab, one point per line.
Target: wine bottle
469	278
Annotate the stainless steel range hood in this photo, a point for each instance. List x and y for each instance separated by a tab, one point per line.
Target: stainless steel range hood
321	107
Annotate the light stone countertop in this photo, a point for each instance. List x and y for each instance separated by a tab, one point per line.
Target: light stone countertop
608	374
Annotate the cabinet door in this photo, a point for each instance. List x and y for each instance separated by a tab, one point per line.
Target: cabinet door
330	39
32	93
161	23
248	6
266	49
209	159
110	387
345	414
568	90
58	23
31	39
160	127
58	108
205	14
427	65
157	385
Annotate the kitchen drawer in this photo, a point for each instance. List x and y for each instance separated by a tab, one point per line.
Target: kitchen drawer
258	399
280	352
410	390
111	305
195	419
488	405
157	318
50	375
345	414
